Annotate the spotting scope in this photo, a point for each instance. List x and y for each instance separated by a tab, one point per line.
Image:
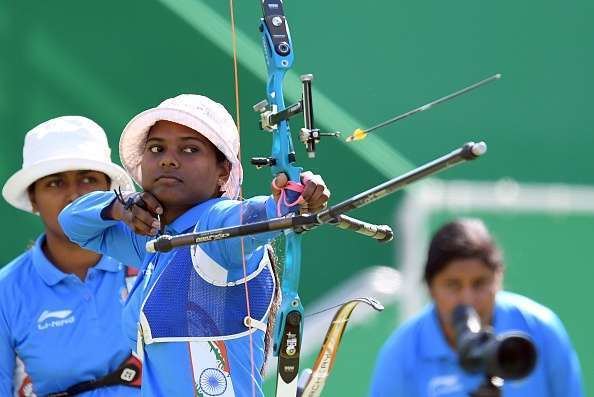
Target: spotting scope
510	355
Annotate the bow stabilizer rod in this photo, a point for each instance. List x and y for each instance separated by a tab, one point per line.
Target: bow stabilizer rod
332	215
165	243
469	151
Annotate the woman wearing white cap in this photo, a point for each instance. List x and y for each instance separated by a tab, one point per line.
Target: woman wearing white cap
60	305
188	310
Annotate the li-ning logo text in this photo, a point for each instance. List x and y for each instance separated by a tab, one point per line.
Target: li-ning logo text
53	319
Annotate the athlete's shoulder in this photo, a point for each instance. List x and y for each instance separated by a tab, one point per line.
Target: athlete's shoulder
15	279
17	269
519	309
407	335
232	212
515	304
222	204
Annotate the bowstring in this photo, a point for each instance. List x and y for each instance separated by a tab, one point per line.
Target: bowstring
238	123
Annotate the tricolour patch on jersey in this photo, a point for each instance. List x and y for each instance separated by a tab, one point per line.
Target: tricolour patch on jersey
211	370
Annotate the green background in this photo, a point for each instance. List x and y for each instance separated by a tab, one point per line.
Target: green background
109	60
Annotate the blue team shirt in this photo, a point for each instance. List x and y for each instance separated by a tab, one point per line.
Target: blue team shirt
167	367
64	330
416	361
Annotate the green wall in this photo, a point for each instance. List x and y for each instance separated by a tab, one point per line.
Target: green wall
110	59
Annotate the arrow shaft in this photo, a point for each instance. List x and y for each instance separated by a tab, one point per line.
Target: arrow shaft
434	103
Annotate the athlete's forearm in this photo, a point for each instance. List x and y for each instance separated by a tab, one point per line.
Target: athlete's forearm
88	222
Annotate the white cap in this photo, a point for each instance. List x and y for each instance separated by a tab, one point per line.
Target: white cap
66	143
197	112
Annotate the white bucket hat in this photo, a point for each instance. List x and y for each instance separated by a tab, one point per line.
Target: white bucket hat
65	143
197	112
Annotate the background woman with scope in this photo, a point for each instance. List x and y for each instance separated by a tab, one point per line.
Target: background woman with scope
465	267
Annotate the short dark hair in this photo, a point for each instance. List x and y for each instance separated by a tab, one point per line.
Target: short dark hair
462	239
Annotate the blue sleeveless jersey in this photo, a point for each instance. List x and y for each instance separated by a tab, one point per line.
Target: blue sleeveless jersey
193	337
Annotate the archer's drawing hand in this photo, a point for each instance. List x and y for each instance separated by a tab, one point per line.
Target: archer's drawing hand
139	210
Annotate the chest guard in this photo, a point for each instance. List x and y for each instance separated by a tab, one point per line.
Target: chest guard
193	301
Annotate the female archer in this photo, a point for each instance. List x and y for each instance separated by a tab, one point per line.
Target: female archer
197	315
61	305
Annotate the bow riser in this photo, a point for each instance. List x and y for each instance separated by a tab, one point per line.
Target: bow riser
279	57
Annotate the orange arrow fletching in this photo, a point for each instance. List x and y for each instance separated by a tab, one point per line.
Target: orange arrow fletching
357	135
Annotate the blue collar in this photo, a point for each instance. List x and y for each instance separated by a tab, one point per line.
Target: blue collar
108	264
188	219
51	275
430	330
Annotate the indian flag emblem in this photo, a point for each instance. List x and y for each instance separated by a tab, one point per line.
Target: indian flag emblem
212	382
211	370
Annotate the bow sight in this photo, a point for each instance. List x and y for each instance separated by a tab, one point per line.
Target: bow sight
277	41
309	135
